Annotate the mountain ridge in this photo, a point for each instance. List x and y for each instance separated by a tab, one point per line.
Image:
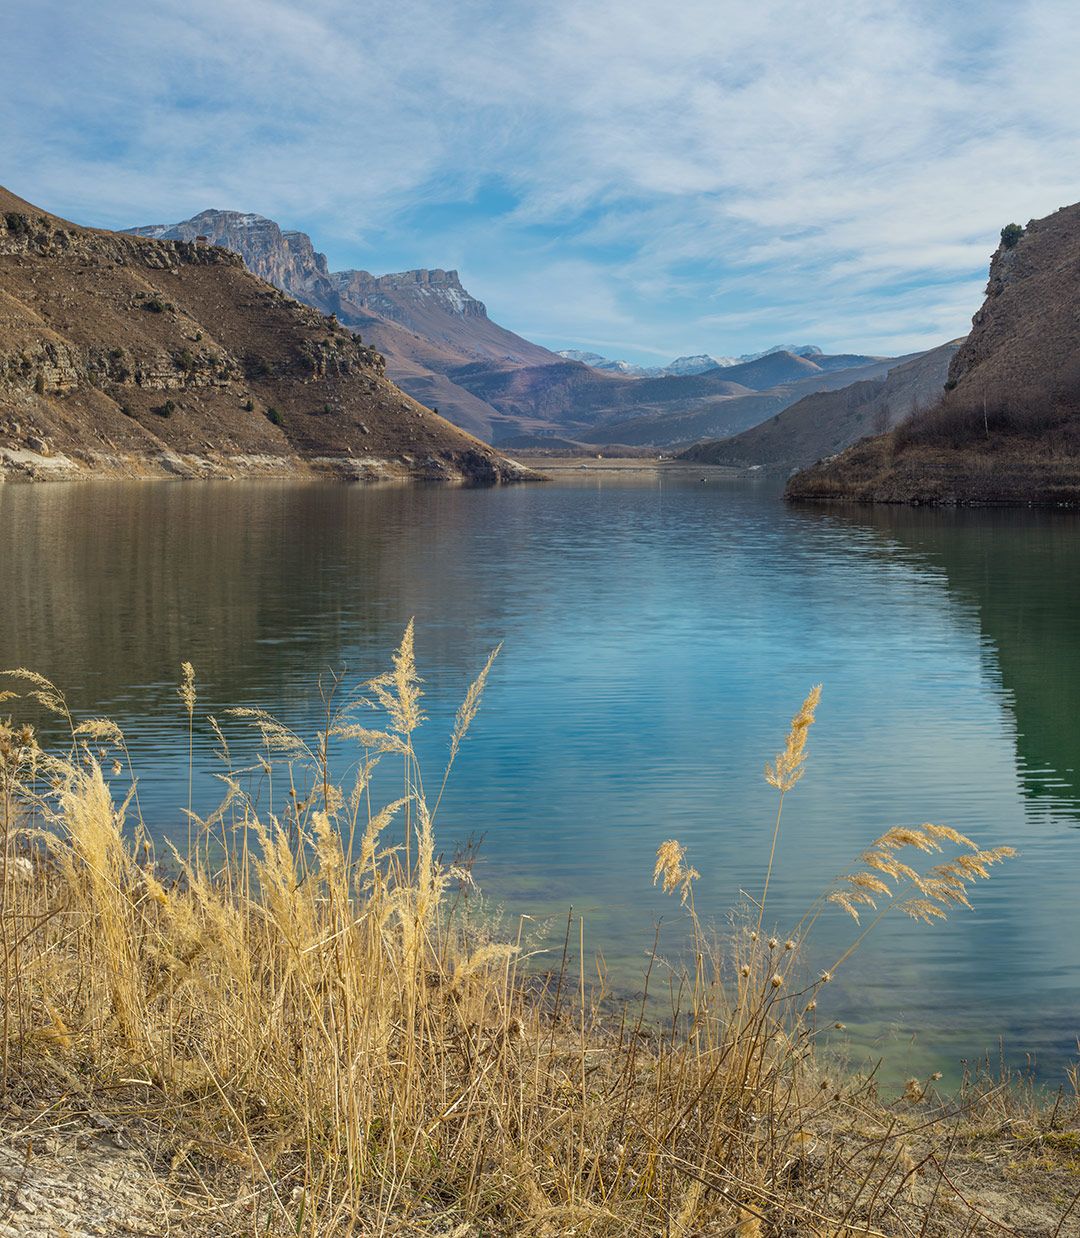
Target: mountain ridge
441	347
422	321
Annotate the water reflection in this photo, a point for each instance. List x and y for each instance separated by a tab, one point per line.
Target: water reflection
1020	570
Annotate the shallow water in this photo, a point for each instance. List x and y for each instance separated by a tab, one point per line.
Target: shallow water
658	636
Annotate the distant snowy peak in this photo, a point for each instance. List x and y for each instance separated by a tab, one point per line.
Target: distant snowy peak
799	350
598	362
696	365
681	366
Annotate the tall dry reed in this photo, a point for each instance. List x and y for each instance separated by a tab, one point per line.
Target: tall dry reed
301	997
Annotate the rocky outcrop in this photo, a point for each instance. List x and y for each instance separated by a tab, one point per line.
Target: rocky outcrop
131	354
288	260
394	296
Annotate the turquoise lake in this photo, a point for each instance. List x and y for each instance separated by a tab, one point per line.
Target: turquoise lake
658	635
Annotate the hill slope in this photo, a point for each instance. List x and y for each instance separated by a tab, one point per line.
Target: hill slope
1007	429
826	422
126	354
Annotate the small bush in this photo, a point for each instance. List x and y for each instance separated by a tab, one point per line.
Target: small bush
249	406
274	417
39	384
166	410
1010	235
155	305
17	223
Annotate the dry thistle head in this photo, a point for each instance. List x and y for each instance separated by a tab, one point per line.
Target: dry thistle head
671	870
787	769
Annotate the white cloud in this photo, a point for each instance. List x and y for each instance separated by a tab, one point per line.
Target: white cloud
674	170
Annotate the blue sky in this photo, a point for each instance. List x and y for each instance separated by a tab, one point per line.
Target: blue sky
641	178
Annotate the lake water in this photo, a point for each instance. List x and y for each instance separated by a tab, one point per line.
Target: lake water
658	635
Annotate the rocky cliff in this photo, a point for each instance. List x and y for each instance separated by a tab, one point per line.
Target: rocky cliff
1007	429
129	354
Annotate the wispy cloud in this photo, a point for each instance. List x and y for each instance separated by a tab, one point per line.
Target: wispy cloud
702	176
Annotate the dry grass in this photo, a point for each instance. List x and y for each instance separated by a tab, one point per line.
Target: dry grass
301	999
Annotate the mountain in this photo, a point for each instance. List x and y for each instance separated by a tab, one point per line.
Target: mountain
696	364
1007	429
442	348
712	405
130	355
423	322
599	409
826	422
606	365
681	365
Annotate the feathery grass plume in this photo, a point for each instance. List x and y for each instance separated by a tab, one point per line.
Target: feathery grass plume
469	707
783	774
787	769
45	692
398	691
940	888
186	691
100	730
672	872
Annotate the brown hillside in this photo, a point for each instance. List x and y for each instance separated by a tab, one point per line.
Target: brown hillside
131	355
1008	428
